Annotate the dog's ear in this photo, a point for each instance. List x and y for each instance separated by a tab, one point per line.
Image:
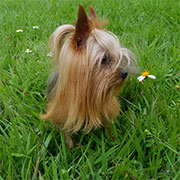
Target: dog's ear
97	23
92	13
83	27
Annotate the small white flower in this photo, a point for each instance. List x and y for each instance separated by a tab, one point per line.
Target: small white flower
35	27
28	51
49	54
144	75
19	30
168	171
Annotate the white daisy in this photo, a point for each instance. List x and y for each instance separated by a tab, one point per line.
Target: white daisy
19	30
144	75
28	51
49	54
35	27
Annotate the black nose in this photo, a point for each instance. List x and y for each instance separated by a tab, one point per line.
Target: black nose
123	74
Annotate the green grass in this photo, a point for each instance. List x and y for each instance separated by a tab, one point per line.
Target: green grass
147	145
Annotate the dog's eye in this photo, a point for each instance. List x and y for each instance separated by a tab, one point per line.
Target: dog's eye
105	60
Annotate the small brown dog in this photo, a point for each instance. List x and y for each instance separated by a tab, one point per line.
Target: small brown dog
89	68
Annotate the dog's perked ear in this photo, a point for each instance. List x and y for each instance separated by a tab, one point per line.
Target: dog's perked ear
97	23
92	13
83	28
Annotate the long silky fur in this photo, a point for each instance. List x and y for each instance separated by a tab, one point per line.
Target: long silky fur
82	92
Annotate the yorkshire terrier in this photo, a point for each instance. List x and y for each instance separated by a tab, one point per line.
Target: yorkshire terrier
89	68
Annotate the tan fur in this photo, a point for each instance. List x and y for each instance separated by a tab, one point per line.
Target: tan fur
84	96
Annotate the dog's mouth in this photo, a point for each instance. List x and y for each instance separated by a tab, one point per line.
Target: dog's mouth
118	81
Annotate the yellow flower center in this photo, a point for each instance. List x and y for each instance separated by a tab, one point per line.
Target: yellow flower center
145	73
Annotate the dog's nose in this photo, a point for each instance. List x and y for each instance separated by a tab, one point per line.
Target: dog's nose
123	74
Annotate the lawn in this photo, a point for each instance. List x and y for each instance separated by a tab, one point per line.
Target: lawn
147	143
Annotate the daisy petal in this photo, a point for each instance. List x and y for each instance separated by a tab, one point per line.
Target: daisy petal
141	78
49	54
152	76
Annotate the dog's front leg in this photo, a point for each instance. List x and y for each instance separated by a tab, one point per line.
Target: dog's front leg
68	139
107	127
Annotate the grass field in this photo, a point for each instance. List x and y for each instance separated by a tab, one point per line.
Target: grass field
147	145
